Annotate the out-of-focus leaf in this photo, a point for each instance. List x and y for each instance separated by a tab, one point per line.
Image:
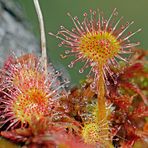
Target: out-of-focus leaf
7	144
140	144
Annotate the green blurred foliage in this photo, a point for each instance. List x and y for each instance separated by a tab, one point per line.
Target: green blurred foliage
55	15
7	144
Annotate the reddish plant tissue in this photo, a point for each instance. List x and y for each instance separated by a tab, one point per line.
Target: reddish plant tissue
37	110
62	119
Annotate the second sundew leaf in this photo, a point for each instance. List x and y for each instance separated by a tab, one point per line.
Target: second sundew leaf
97	41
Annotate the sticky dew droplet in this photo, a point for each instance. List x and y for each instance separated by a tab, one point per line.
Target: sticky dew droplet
81	70
70	65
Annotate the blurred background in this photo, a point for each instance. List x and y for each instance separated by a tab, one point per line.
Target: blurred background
55	15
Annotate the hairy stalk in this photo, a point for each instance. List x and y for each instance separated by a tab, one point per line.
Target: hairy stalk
42	32
101	96
102	111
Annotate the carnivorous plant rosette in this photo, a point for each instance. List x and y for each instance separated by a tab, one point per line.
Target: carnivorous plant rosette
27	92
101	44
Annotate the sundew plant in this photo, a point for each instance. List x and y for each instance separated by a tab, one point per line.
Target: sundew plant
38	108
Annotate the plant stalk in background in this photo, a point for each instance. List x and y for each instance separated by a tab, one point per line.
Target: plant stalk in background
42	32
